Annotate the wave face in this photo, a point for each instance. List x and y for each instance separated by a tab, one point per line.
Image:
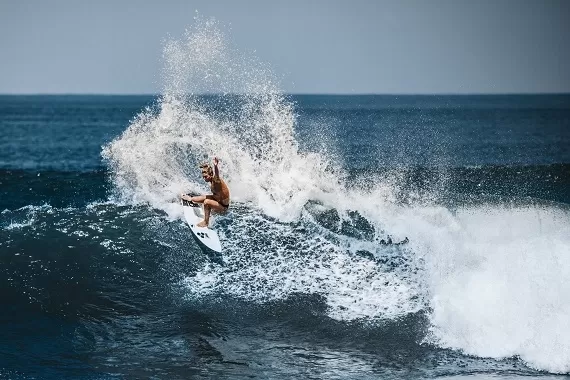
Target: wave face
368	236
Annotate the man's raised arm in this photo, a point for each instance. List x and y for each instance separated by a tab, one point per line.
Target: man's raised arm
216	171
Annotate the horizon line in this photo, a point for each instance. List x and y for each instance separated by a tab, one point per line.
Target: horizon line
296	94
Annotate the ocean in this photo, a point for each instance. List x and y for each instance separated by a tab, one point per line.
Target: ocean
100	277
369	237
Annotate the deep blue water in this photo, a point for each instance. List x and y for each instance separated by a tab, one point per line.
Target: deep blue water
98	285
67	132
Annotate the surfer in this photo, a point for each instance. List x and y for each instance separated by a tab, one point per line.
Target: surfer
219	200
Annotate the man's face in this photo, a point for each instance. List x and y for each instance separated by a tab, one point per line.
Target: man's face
206	177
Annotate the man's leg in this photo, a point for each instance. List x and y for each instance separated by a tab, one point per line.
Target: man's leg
196	199
206	221
209	205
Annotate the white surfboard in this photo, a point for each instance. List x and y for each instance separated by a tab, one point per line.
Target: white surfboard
194	214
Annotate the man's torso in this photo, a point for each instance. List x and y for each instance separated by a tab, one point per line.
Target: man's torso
220	191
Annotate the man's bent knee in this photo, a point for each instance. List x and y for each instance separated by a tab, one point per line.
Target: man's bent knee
214	205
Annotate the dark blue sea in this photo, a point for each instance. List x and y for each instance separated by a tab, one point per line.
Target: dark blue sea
369	237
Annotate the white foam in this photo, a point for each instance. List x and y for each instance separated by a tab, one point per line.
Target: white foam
16	226
281	262
32	212
498	283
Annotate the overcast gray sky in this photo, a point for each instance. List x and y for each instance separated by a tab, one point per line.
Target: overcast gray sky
394	47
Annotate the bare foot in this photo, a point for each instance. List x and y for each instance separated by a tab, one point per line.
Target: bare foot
202	224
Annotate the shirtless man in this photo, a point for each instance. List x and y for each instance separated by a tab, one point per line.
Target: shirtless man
219	201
